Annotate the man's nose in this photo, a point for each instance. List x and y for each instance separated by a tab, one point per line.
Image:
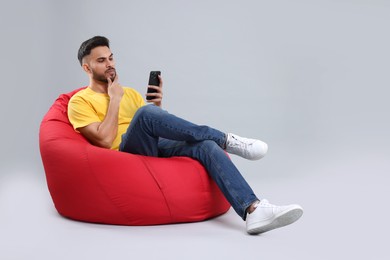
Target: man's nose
109	63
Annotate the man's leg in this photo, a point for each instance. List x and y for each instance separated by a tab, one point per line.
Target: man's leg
150	123
218	165
260	215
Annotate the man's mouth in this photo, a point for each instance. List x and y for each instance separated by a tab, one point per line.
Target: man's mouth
110	71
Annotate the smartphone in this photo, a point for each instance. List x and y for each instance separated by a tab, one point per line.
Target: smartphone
154	81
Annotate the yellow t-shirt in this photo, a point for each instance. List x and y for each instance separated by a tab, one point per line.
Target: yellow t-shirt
88	106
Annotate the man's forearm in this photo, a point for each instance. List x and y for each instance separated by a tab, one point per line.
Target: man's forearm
108	129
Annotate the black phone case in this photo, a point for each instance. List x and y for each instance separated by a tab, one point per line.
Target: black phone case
153	78
154	81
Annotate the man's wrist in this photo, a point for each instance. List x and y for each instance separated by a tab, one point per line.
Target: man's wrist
116	99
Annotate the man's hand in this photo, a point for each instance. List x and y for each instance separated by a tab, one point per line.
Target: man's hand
115	91
156	97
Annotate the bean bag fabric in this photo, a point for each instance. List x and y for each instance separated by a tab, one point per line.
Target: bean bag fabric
93	184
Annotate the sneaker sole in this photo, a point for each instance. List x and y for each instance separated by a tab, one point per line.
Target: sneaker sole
282	219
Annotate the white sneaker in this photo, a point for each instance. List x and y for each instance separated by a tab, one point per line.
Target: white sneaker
250	149
267	217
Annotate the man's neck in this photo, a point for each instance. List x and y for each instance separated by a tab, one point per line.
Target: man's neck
97	86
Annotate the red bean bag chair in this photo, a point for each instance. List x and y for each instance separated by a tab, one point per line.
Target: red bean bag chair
93	184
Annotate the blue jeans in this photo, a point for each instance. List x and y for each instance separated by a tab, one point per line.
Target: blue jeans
155	132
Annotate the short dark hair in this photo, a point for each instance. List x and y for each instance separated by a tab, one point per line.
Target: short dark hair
88	45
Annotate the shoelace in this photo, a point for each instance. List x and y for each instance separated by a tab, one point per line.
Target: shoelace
265	203
239	143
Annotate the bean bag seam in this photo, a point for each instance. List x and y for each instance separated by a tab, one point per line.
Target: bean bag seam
157	183
100	186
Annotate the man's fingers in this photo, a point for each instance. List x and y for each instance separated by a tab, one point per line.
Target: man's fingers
161	81
158	88
116	78
112	82
155	95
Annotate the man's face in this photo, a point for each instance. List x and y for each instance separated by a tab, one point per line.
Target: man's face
101	64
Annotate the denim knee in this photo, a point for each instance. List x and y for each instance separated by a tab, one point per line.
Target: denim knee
148	109
144	111
209	144
209	147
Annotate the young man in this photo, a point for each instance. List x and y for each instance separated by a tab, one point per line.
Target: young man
116	117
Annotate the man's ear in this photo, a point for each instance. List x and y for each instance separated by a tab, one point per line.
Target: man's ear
86	68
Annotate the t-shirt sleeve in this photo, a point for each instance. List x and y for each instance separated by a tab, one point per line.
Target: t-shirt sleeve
81	113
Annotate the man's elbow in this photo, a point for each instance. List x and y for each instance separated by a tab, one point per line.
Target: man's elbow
106	145
103	144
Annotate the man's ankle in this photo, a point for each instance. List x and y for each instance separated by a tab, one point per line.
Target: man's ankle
252	207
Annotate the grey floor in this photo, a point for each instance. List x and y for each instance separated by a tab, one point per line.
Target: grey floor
344	198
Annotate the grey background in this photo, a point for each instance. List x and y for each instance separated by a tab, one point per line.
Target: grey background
311	78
